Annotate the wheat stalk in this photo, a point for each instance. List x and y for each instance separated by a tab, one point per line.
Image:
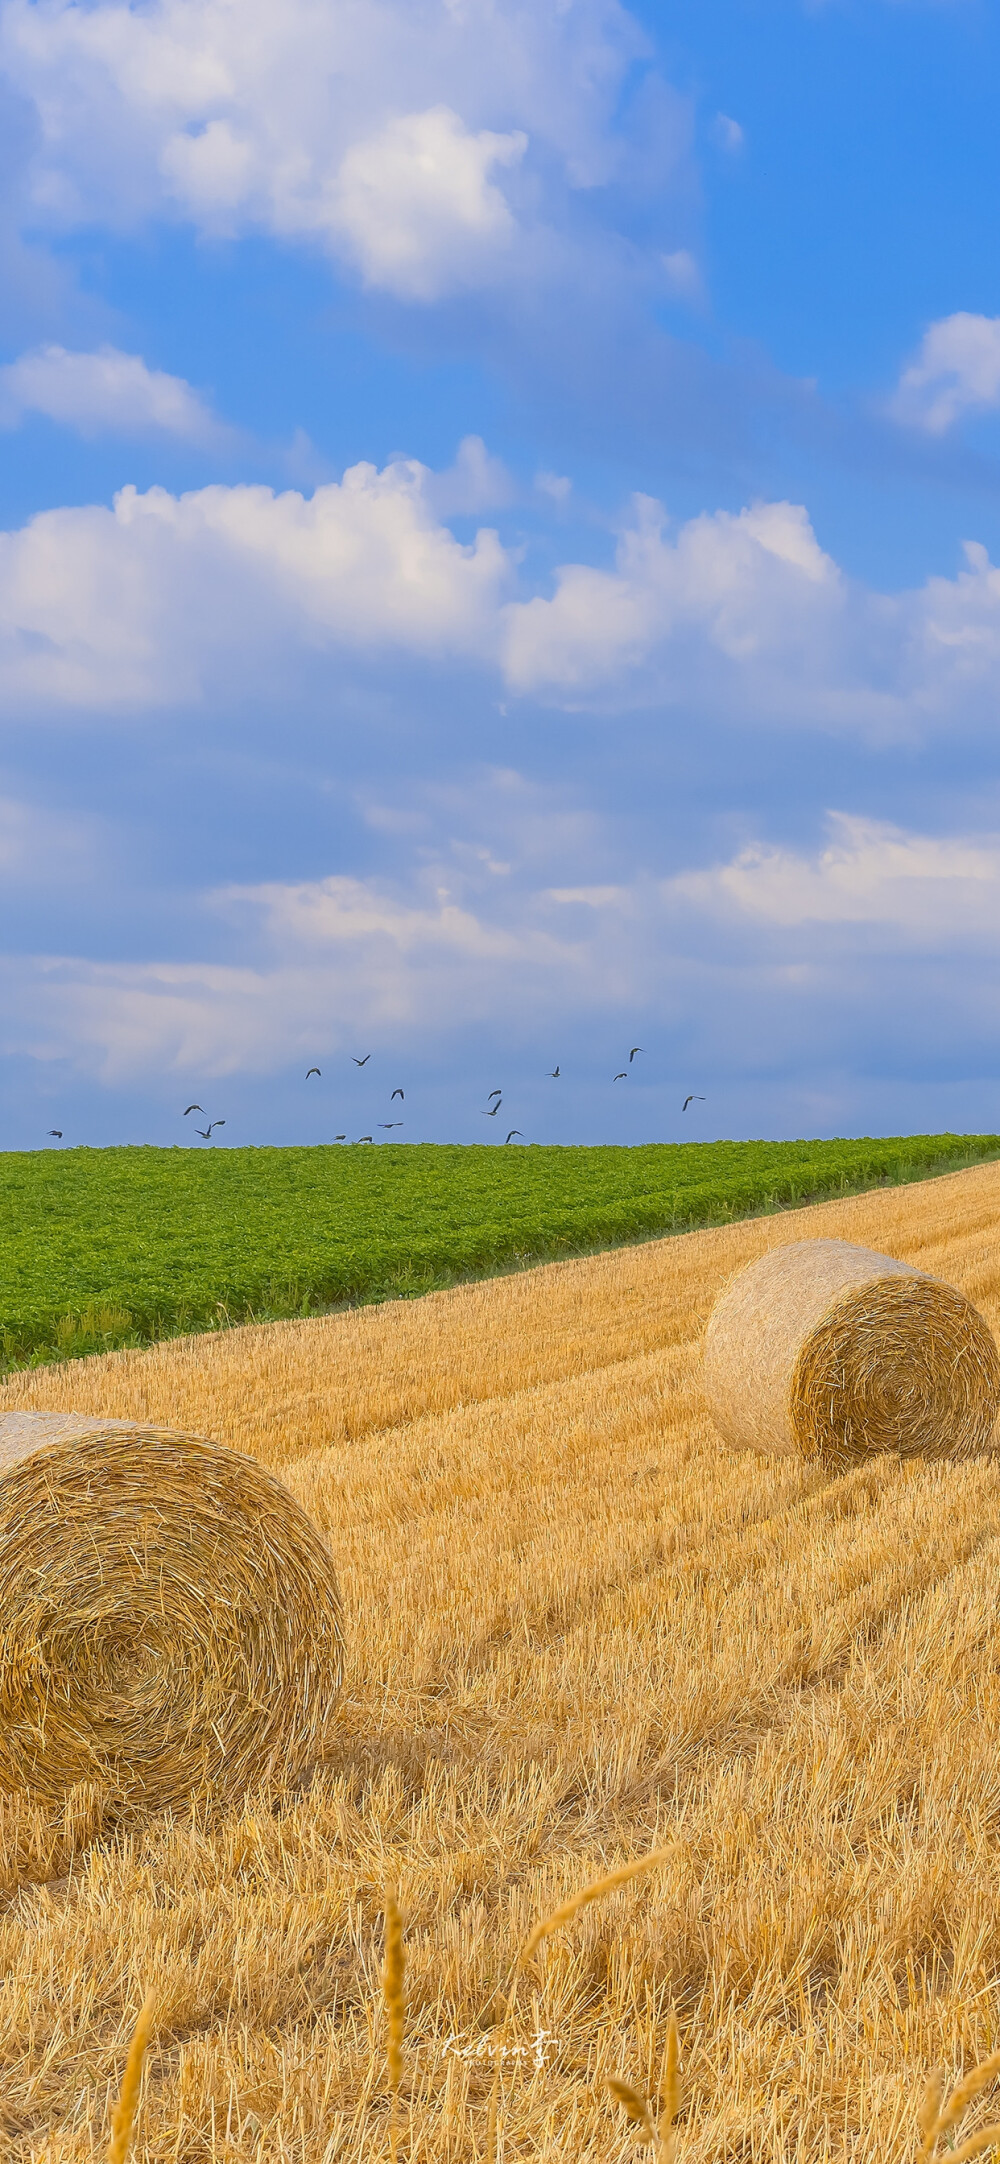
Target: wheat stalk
670	2087
394	1995
661	2135
635	2105
670	2090
933	2121
123	2116
566	1911
564	1914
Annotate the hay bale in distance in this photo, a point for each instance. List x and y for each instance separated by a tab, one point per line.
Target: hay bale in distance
825	1350
170	1623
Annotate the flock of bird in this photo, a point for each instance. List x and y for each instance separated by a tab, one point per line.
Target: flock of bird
206	1133
489	1110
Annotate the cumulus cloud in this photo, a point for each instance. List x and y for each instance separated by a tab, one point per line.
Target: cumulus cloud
418	205
119	1021
778	934
735	616
136	605
956	371
735	588
104	393
390	130
475	482
399	962
339	913
743	615
931	890
557	486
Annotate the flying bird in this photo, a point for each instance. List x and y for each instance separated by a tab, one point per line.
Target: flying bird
314	1070
363	1138
340	1138
553	1075
194	1108
57	1132
692	1100
399	1094
635	1048
494	1109
391	1123
514	1131
361	1062
623	1077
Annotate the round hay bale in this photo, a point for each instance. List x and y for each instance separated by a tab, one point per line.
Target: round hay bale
171	1623
825	1350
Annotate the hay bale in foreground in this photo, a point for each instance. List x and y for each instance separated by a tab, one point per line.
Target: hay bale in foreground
170	1623
825	1350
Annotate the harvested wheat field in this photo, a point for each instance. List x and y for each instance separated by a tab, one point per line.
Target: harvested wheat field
577	1630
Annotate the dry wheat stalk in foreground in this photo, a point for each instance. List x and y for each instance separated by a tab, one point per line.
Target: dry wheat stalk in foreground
123	2117
395	2006
935	2120
659	2131
564	1914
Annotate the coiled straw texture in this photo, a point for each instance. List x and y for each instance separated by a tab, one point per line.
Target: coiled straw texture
170	1623
828	1351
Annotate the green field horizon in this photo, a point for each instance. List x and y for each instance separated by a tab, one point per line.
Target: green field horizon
112	1247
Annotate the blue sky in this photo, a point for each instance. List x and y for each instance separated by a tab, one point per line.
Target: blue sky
499	513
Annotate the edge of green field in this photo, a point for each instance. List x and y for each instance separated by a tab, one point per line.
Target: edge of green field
104	1249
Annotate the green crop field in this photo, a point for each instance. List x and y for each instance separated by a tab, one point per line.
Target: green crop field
121	1246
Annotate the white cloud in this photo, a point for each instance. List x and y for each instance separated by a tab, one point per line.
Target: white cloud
104	393
739	585
418	206
933	890
741	616
122	1020
956	371
338	913
589	897
138	605
394	962
558	486
475	482
744	616
388	129
796	954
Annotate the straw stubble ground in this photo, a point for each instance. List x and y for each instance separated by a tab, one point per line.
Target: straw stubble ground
577	1630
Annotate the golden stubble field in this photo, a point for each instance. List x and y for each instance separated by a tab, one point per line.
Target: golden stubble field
578	1630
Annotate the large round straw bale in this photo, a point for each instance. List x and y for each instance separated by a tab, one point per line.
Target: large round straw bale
825	1350
170	1624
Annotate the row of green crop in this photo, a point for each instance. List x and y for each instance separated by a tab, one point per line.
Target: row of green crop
102	1247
